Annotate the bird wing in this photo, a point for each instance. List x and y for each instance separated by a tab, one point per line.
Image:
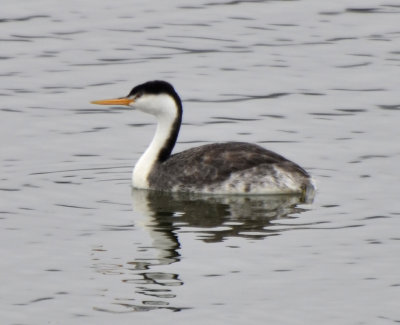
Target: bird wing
215	162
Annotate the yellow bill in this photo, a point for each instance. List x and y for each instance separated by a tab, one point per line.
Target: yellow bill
117	101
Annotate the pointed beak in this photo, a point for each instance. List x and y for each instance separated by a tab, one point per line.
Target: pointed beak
117	101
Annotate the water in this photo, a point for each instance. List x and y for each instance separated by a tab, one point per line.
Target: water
315	81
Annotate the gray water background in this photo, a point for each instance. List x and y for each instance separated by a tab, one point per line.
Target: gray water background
317	81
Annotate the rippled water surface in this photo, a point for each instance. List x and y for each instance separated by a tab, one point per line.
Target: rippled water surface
316	81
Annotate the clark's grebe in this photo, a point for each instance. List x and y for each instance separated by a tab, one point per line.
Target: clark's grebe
223	168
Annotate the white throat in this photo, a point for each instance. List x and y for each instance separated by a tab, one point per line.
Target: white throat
163	107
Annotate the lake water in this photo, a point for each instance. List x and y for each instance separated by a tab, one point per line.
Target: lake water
316	81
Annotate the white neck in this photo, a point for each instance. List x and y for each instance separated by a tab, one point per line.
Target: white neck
146	162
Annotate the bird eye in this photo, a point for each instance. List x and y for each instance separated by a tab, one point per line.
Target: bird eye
138	95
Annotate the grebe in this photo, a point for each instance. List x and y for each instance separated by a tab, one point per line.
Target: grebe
219	168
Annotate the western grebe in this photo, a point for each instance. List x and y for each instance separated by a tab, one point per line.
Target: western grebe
220	168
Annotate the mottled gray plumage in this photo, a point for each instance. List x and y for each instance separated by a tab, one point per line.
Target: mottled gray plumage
210	165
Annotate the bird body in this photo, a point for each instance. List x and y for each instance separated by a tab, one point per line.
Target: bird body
220	168
229	168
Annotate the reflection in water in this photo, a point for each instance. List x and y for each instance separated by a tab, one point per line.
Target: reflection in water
213	218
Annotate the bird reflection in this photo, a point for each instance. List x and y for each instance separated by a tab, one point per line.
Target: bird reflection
213	217
210	218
